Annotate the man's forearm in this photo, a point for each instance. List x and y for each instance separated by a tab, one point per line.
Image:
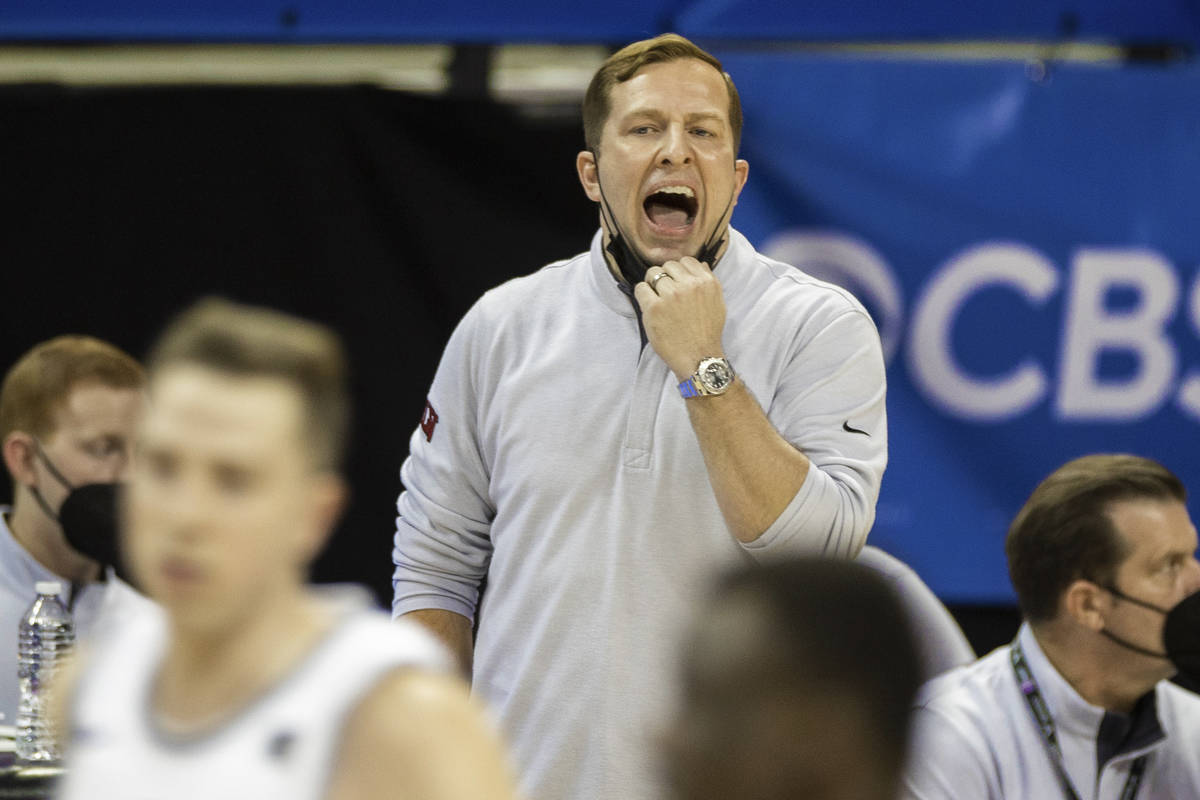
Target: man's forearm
753	470
454	631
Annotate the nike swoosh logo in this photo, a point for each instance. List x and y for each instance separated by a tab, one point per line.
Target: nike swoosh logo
846	427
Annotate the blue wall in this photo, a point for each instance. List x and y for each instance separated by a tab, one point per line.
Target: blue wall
611	21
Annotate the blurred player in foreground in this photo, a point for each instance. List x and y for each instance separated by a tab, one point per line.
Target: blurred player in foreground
797	685
249	683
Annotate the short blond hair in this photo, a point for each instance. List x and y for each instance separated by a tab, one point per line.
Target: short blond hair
249	341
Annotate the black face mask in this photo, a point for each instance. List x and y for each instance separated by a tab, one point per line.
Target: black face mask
89	521
88	516
1181	633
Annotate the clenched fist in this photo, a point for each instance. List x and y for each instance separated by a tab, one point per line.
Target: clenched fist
683	311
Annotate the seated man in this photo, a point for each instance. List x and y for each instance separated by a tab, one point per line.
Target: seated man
246	682
1078	705
798	682
67	413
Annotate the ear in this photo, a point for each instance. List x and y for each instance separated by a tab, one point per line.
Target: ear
327	500
19	455
741	171
589	174
1086	603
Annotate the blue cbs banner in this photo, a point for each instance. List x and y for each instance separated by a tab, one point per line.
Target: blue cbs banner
1027	238
616	21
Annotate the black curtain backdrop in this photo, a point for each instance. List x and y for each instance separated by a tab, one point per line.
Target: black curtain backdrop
382	214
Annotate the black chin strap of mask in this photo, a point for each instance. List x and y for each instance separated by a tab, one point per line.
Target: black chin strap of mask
712	246
41	501
629	261
58	476
1122	642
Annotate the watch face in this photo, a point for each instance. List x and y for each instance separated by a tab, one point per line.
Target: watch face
716	375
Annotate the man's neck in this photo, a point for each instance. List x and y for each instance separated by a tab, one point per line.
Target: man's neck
210	675
1094	668
43	539
615	270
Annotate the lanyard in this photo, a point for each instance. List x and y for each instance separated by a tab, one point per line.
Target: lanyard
1045	723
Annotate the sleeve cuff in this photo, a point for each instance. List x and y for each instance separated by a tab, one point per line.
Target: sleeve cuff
813	523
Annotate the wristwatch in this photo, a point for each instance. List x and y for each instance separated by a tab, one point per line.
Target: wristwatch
713	376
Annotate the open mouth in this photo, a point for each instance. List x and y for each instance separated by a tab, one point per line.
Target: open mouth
671	207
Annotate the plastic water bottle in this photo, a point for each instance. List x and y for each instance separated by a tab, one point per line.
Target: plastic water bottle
46	637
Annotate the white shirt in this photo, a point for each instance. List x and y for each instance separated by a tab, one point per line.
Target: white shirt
976	738
95	607
282	745
563	466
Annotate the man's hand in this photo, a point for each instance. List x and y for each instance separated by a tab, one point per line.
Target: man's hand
683	311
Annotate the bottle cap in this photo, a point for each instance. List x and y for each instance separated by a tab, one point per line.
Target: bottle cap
48	587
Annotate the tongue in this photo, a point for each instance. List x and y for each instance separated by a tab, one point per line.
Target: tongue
667	216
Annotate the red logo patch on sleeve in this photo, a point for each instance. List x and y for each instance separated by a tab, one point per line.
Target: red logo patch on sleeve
429	421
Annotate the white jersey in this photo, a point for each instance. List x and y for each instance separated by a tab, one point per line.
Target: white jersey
281	745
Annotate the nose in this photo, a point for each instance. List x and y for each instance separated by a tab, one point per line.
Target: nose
1192	577
675	147
182	510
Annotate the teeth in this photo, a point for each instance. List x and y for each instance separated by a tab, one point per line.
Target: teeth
686	191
